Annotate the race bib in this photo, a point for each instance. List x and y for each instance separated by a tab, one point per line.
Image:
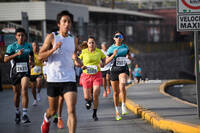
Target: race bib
21	67
121	61
92	69
37	69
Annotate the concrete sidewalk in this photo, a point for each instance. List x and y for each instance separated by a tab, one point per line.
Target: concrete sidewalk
163	111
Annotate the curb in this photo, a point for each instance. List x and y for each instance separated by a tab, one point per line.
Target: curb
159	122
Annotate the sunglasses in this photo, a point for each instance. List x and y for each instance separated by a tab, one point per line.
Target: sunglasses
118	36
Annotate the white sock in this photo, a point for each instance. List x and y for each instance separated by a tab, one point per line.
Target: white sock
24	111
116	109
46	119
123	104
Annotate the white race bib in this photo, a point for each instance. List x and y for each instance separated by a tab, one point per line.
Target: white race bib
21	67
92	69
121	61
37	69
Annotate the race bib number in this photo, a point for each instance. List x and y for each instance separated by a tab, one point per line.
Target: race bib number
21	67
121	61
37	69
92	69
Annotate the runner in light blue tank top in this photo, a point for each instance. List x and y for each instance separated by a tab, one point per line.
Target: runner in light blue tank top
119	72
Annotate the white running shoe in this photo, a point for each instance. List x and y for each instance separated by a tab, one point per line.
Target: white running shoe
34	103
38	97
124	110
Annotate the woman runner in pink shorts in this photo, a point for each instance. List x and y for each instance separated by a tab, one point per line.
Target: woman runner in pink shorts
91	76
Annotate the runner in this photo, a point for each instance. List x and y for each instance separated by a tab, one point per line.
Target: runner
91	76
18	54
36	75
105	72
119	72
59	47
138	73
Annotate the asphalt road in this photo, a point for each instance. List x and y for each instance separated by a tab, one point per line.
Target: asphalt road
106	123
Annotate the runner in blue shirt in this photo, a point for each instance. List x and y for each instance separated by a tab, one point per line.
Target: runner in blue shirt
119	72
18	54
138	73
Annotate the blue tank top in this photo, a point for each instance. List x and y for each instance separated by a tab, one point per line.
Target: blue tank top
119	62
122	50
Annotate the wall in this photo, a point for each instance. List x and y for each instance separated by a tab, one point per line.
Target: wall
168	65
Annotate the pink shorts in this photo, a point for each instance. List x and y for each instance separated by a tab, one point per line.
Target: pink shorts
88	80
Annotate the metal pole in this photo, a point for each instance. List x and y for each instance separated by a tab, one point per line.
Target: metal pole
197	70
44	30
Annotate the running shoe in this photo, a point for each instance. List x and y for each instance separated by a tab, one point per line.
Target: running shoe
118	117
105	94
34	103
45	127
38	97
17	118
55	120
60	123
88	105
95	118
25	119
108	91
124	110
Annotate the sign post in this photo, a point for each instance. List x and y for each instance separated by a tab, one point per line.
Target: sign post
197	70
188	19
25	23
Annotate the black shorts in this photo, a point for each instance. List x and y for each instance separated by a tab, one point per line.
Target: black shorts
104	73
55	89
138	77
34	77
16	79
114	73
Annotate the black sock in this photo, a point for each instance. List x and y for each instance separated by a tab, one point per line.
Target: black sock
94	112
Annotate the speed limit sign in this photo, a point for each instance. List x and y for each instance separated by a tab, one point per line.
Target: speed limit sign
188	15
188	6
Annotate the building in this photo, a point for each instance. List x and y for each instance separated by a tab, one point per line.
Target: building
42	16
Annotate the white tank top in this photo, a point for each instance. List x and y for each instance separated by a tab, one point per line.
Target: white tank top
60	64
106	67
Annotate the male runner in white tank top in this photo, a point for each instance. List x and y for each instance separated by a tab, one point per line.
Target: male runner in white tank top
60	49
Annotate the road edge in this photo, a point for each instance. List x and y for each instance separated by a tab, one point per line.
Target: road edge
157	121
